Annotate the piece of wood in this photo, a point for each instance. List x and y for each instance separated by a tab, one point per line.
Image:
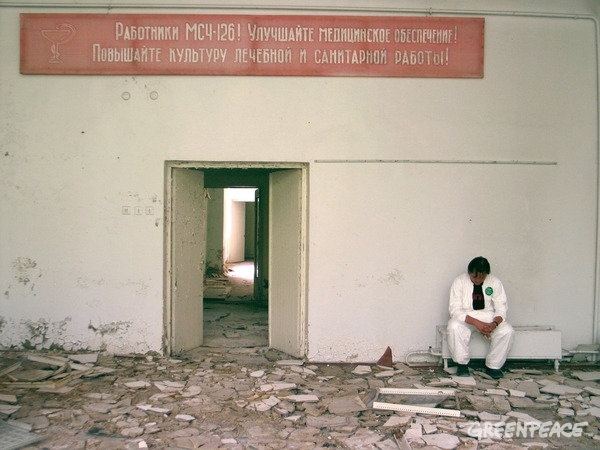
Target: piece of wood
57	361
10	369
44	384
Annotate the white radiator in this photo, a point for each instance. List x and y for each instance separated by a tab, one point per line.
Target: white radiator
531	342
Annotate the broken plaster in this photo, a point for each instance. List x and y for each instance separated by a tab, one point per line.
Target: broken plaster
23	270
110	328
43	334
26	271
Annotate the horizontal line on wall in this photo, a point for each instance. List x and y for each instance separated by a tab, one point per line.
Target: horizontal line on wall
274	5
434	161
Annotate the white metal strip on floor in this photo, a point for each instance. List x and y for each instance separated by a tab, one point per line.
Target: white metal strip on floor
399	391
417	409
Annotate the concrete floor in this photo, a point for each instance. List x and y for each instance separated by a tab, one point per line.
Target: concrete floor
236	321
258	398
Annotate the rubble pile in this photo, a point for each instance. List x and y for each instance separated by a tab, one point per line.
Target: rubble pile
258	398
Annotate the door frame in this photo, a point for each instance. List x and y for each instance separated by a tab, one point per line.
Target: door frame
168	260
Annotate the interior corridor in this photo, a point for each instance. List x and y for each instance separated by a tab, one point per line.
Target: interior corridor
232	319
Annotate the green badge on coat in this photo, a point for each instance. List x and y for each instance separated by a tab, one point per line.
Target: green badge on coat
489	290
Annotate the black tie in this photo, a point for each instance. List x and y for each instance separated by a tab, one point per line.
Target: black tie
478	301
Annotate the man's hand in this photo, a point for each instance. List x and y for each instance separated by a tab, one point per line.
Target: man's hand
485	328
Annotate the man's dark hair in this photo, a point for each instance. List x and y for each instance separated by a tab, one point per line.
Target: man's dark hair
479	265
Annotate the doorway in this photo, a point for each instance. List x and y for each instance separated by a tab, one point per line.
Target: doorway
279	278
235	316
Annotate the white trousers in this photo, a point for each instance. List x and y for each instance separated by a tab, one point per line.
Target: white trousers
459	336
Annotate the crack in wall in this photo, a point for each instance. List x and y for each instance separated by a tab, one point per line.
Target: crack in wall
110	328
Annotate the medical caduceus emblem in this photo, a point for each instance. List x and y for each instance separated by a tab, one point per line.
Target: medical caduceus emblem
62	34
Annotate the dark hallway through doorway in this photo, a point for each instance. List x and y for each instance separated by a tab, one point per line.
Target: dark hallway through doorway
235	320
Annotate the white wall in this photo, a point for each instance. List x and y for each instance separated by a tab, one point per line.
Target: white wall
214	230
412	227
385	239
235	226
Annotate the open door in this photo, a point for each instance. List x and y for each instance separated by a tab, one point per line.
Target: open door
286	285
258	297
188	247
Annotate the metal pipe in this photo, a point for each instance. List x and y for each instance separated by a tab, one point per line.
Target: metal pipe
111	5
596	312
434	161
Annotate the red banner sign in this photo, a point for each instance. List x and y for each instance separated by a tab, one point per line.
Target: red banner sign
161	44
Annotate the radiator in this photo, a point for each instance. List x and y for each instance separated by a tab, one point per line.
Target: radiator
531	342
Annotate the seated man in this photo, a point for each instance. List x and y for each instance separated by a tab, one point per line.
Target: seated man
478	303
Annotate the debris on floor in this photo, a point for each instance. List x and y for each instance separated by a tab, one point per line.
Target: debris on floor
423	401
259	398
14	435
216	287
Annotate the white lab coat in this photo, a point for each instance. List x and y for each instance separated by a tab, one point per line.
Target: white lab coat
461	305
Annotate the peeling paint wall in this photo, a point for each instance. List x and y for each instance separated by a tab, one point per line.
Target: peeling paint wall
82	183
